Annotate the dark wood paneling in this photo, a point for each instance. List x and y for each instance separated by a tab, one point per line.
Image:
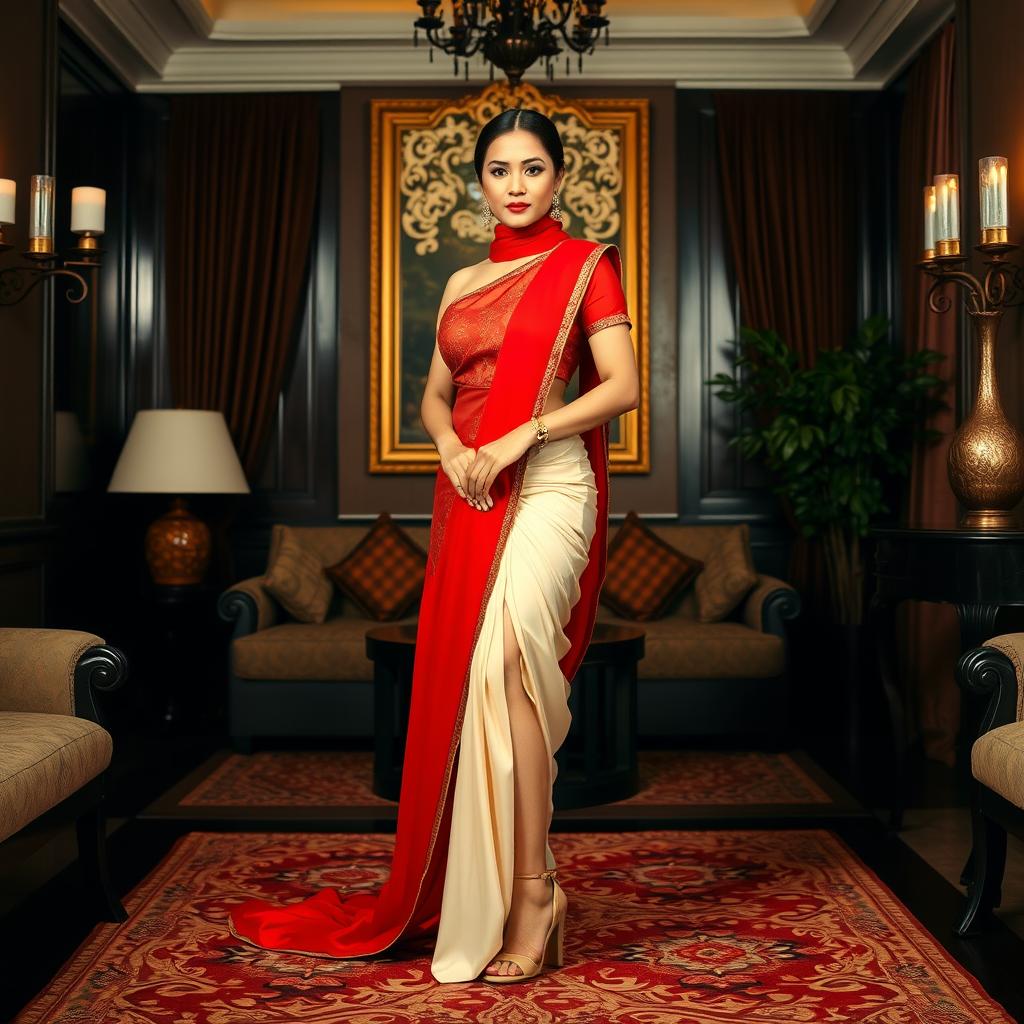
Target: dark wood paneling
28	81
28	75
98	129
25	576
875	125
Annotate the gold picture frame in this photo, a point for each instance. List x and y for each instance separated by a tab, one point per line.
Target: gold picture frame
424	225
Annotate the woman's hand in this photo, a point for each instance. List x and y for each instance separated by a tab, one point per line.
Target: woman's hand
491	459
456	460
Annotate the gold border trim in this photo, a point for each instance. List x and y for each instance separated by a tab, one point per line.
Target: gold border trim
567	318
508	273
608	321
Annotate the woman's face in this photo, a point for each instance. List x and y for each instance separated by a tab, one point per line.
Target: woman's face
518	170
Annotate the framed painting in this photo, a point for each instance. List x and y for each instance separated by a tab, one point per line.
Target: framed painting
425	225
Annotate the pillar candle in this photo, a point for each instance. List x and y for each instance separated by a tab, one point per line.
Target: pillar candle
41	208
8	189
88	206
929	218
947	207
992	191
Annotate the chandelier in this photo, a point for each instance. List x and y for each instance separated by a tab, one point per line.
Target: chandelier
513	34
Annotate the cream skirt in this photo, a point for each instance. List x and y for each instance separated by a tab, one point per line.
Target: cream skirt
538	576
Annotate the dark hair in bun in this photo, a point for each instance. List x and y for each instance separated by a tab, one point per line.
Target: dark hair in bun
528	120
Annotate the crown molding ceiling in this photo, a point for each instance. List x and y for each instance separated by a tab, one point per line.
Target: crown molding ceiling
279	45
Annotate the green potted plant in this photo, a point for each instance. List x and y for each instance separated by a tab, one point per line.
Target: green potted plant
834	435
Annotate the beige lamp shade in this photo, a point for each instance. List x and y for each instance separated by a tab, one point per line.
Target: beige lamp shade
179	451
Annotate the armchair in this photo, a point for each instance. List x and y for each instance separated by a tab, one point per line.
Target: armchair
993	673
55	750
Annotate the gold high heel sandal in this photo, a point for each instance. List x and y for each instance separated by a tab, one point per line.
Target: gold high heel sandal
552	955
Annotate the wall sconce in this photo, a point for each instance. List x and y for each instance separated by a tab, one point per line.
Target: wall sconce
88	206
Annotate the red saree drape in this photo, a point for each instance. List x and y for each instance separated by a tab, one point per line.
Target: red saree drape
455	595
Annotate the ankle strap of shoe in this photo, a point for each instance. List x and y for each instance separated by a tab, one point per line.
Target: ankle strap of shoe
543	874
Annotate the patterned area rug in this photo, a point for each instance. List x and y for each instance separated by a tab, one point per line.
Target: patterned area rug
338	778
714	927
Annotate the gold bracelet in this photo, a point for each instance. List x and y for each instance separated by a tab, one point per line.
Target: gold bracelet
541	429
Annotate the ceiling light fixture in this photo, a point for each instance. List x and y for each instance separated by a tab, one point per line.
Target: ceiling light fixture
513	34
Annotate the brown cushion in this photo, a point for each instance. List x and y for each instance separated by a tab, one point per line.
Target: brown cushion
679	648
384	572
644	572
333	650
296	580
728	576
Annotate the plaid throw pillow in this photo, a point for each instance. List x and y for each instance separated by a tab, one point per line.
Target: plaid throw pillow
644	572
728	576
384	572
296	580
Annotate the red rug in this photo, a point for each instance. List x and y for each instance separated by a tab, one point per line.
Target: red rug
667	926
342	778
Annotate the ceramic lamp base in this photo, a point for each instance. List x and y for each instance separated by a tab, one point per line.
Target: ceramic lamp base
177	547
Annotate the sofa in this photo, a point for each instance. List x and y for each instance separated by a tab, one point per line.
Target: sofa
289	678
992	678
55	751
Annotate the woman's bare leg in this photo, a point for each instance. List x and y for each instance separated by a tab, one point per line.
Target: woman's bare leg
530	913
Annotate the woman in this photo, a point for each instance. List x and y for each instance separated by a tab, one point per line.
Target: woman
517	557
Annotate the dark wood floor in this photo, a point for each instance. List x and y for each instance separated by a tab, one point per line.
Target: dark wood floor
40	933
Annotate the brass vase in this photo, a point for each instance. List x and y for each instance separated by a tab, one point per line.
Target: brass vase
986	457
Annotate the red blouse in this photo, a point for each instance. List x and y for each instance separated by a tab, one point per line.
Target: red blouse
473	325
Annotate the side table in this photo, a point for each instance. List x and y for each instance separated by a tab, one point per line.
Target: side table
978	571
178	625
597	763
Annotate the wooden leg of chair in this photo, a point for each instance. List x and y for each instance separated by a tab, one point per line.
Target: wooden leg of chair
987	861
968	869
92	854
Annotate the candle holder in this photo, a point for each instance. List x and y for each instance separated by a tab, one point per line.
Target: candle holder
41	261
16	282
986	458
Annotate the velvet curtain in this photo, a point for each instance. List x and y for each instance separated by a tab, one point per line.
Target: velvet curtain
930	145
242	182
785	159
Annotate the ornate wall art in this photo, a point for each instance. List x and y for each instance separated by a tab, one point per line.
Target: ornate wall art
425	225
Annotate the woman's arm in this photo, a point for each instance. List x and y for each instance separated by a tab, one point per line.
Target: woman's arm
439	390
436	405
436	408
618	392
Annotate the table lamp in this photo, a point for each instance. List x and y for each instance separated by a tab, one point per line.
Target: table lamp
175	451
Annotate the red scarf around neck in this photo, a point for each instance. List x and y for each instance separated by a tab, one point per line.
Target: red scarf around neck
515	243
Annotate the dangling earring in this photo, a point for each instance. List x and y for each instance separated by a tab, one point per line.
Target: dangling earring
556	208
486	216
